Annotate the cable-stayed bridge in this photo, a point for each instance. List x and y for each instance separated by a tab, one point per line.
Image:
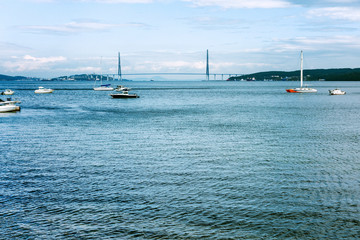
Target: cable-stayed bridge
207	76
207	73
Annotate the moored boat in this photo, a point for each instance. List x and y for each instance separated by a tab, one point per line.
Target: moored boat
44	90
124	94
105	87
9	106
337	92
120	88
7	92
301	89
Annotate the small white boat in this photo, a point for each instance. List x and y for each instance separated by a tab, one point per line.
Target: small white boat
44	90
7	92
120	88
124	94
336	92
9	106
301	89
106	87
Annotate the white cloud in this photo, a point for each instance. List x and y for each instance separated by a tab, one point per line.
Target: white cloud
100	1
29	63
339	13
336	40
76	27
341	1
125	1
40	1
319	43
242	3
83	70
43	59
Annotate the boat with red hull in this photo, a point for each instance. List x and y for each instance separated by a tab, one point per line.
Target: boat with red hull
301	89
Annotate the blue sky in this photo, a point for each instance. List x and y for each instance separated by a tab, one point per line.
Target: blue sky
50	38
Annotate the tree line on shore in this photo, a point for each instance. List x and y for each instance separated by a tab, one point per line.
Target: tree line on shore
339	74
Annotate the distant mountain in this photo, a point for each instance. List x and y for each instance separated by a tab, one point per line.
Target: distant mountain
340	74
81	77
86	77
9	78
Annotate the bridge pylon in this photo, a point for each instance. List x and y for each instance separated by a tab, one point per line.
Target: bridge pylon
207	65
119	67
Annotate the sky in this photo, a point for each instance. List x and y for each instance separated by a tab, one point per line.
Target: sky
51	38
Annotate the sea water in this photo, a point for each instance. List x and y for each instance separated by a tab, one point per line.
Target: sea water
186	160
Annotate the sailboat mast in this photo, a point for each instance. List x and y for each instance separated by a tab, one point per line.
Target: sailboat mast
301	70
100	71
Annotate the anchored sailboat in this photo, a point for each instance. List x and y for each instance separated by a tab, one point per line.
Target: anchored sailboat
103	87
301	89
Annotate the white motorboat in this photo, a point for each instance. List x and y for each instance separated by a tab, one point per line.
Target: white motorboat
120	88
124	94
105	87
336	92
301	89
9	106
7	92
44	90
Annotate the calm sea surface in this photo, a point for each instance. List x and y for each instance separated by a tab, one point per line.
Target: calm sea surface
186	160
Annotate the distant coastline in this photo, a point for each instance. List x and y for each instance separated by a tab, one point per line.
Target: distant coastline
78	77
337	74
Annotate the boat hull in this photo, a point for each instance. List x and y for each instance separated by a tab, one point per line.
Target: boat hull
104	89
9	108
337	92
42	90
120	95
301	90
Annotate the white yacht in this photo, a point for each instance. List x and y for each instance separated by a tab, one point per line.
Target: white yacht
44	90
105	87
124	94
337	92
9	106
